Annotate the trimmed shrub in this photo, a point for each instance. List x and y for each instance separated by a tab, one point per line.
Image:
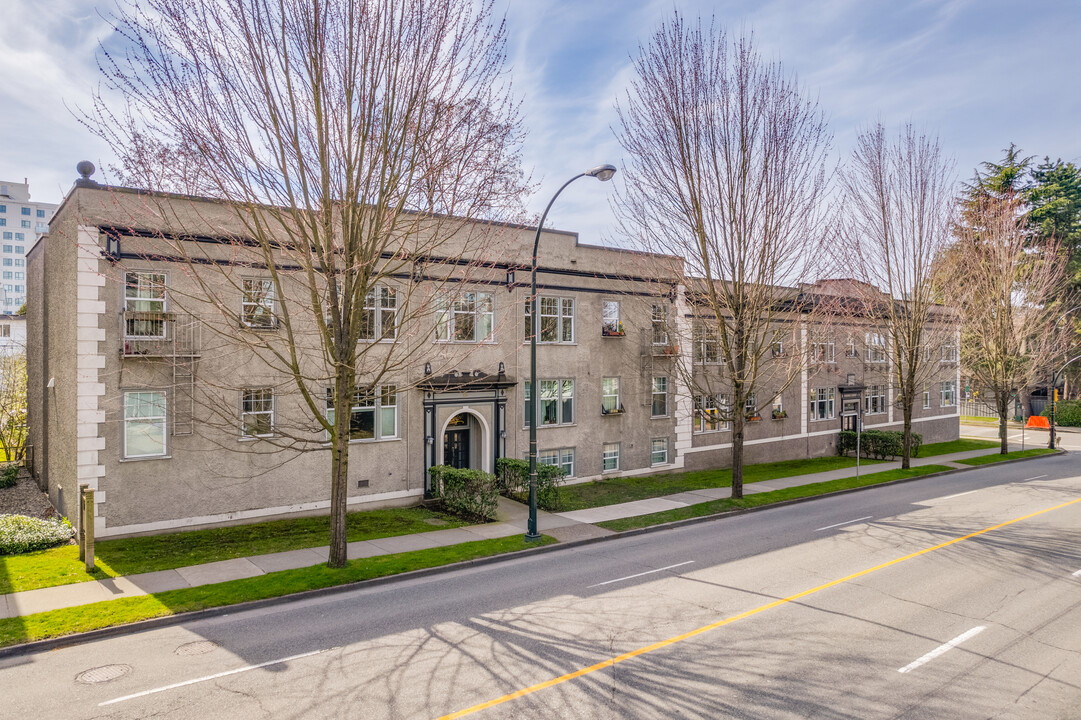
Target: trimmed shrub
9	477
1067	413
470	494
513	479
22	534
878	444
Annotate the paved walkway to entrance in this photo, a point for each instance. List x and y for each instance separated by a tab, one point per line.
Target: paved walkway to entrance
512	520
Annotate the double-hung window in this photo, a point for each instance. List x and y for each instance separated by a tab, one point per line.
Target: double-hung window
876	347
610	457
556	319
822	404
658	318
144	304
610	403
25	211
947	394
373	414
41	213
710	413
562	458
611	324
823	351
257	303
875	402
706	345
257	412
380	317
469	317
949	352
926	397
556	402
144	424
660	397
658	451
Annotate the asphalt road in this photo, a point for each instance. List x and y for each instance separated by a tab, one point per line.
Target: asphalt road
1069	438
826	609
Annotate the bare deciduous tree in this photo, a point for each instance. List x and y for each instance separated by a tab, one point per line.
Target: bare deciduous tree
898	215
345	140
13	405
726	167
1006	294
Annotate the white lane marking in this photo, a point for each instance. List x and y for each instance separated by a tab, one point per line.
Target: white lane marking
647	572
1034	478
246	668
1076	574
957	495
846	522
942	649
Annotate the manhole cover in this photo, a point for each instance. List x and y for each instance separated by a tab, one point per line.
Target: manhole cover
105	673
199	647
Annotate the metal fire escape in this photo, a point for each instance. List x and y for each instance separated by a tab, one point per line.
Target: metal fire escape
175	338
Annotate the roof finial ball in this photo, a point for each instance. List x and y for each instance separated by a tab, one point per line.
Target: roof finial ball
85	169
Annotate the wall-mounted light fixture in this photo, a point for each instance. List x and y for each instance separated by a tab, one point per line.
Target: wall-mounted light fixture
427	368
430	440
510	280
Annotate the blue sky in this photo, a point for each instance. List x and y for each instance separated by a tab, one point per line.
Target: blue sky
979	73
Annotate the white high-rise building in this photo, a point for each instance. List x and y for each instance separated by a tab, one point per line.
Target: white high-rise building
22	222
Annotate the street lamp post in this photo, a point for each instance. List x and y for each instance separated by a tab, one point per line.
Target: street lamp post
603	173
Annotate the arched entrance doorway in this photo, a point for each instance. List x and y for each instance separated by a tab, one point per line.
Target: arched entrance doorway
465	442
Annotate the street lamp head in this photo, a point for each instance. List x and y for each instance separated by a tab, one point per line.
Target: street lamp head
603	173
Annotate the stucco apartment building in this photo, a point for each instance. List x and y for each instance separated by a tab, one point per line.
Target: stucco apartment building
140	389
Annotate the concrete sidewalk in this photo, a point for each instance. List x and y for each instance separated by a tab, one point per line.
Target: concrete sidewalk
512	520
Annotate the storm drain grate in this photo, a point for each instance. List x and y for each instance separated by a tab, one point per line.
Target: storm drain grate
105	673
199	647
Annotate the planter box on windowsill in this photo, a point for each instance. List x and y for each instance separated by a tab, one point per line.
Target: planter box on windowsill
779	415
754	418
612	412
613	333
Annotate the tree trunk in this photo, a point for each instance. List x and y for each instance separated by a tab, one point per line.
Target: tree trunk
339	468
737	453
906	445
1003	408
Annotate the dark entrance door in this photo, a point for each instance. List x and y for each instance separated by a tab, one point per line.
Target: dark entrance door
456	447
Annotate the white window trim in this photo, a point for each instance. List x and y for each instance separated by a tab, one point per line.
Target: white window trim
535	325
654	393
165	425
377	314
244	413
831	401
604	456
618	409
164	303
667	452
269	302
527	392
377	414
720	404
445	313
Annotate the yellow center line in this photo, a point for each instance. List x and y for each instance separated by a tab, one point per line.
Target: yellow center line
721	623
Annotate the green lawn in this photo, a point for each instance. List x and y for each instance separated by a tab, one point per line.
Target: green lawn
988	459
978	418
128	610
61	565
767	498
618	490
956	446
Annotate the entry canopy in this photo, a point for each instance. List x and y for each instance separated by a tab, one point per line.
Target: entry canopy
461	380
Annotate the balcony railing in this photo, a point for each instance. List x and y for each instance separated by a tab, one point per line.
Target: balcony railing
158	334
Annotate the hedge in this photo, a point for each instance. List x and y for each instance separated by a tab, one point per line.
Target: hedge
470	494
513	479
9	477
1067	413
21	534
878	444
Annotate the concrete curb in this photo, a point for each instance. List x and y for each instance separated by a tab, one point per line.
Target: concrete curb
155	623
